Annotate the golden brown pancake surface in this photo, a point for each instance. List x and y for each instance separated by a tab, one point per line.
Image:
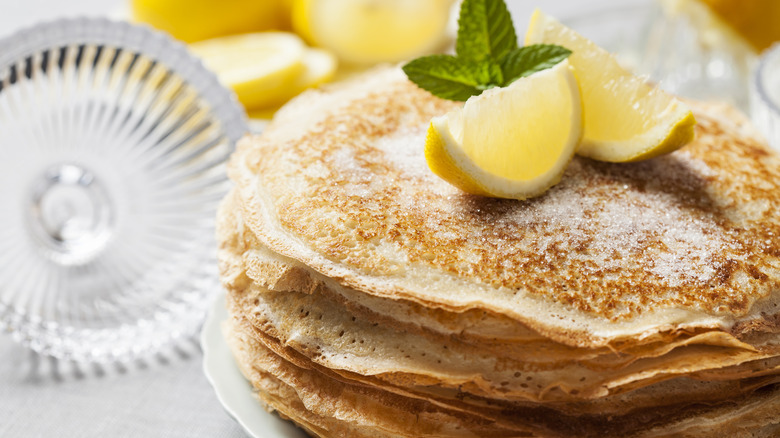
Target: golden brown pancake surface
689	239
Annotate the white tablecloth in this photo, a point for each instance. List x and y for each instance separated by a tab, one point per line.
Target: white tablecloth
166	396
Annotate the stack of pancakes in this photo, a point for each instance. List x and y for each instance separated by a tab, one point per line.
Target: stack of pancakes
368	298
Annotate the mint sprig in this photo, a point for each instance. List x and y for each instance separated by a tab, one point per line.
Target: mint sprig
450	77
487	55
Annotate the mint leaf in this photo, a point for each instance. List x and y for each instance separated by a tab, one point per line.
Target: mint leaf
452	78
487	55
492	70
530	59
485	30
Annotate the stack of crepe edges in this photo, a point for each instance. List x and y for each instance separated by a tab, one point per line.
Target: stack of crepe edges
367	298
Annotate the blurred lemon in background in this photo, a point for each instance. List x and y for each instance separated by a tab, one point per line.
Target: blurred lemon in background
319	66
265	68
751	24
196	20
757	21
372	31
239	39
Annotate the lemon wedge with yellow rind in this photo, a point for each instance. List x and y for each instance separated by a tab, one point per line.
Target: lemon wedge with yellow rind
262	68
625	118
511	142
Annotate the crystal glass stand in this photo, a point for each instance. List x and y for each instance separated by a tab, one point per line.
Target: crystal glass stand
113	141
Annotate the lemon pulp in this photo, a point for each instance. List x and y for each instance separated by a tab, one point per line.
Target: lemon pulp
511	142
626	119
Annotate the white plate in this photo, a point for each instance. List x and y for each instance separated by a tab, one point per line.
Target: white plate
233	390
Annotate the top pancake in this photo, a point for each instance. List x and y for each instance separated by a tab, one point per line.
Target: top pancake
615	251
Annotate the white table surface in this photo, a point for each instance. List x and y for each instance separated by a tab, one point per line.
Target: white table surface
167	396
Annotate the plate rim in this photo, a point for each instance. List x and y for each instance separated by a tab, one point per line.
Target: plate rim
233	390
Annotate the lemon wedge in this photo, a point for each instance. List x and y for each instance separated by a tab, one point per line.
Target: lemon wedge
262	68
512	142
371	31
626	119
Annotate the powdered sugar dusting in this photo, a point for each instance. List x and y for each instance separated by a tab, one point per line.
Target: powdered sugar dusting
612	224
647	228
404	149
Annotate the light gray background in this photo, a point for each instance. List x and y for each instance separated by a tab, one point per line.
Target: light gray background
167	396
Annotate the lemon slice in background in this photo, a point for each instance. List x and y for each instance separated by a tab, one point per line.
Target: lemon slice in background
372	31
196	20
262	68
319	67
626	119
512	142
